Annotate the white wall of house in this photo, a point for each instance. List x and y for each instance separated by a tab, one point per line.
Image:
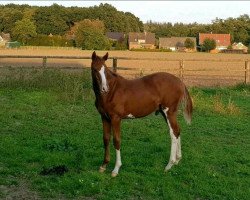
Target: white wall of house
221	47
173	48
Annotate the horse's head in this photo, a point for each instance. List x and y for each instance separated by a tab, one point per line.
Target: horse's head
98	62
99	71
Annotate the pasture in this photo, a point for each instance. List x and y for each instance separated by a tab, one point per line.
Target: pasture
200	69
48	119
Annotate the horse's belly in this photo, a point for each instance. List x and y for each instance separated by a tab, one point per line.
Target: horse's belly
140	107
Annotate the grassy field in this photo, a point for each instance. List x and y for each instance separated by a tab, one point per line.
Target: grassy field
48	119
208	69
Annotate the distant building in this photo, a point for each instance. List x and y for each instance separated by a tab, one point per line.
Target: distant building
222	40
116	36
175	43
240	46
144	40
4	38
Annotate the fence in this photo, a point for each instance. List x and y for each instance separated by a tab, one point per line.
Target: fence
181	70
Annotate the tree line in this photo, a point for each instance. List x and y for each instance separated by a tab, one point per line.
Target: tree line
58	19
34	25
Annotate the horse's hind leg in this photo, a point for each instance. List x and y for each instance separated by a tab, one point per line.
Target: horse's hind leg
175	154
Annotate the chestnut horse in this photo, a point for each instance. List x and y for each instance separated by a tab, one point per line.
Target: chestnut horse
118	98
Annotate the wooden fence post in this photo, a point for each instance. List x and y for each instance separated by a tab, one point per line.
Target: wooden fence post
246	72
181	75
44	62
114	64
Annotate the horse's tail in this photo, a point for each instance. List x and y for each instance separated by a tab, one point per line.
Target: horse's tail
187	106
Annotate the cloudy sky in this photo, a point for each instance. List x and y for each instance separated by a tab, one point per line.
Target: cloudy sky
165	11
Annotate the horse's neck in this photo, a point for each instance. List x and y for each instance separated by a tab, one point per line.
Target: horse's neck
112	78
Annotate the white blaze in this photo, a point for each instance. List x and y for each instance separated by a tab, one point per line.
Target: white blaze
104	86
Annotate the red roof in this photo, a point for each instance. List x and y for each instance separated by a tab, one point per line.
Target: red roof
220	39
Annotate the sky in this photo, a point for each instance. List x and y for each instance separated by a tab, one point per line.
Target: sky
164	11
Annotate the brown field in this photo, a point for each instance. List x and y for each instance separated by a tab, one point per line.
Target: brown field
200	69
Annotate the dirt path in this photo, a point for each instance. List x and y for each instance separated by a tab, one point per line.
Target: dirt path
21	191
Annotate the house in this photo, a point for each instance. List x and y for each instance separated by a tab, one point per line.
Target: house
240	46
2	43
236	48
175	43
222	40
144	40
116	36
4	38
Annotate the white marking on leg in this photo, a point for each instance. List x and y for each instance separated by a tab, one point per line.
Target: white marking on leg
118	163
173	152
130	116
178	154
174	144
165	111
104	86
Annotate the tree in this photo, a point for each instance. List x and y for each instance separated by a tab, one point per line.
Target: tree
23	30
90	35
8	17
189	43
209	44
53	19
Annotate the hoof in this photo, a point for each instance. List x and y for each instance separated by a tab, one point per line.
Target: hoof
102	169
113	174
166	170
168	167
177	160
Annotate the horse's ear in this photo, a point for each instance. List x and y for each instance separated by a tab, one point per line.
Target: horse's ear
106	56
94	55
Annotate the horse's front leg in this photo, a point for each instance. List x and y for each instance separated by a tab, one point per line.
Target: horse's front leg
106	139
116	126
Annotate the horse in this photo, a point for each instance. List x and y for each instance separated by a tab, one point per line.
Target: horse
118	98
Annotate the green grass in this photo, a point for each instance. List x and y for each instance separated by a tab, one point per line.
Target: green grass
48	118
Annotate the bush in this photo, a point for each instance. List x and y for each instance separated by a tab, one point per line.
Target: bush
189	43
230	47
69	86
90	35
117	45
208	44
55	40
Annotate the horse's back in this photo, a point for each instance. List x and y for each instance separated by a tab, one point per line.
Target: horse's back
162	77
163	81
169	88
154	89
